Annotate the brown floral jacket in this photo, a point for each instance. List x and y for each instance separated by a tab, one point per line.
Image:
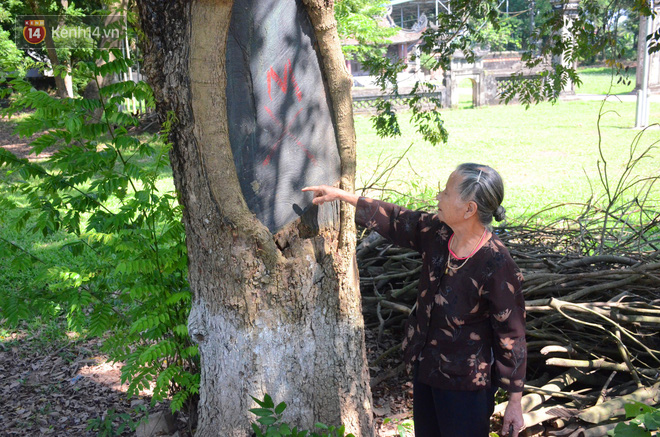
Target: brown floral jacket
469	325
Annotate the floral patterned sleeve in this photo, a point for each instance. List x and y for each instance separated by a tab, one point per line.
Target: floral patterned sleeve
507	316
400	225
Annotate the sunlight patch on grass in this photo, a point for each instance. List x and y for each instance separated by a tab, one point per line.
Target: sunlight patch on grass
602	80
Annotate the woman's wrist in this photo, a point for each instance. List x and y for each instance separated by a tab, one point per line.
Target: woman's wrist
515	396
351	198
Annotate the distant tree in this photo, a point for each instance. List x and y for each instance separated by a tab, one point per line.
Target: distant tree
11	58
61	61
360	20
504	38
573	33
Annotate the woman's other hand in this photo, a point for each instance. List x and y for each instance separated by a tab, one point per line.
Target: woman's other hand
513	416
326	193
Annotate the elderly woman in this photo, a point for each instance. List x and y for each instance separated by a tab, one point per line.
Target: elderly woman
468	325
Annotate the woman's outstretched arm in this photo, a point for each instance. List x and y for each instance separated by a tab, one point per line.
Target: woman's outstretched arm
402	226
326	193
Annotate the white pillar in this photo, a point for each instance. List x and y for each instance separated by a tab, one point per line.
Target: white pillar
642	113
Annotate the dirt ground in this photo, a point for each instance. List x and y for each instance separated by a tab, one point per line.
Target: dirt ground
56	392
17	145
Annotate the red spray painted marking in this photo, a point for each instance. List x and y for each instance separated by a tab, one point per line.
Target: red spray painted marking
285	131
279	140
283	82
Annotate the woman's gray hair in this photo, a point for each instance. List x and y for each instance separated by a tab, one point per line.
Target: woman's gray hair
484	186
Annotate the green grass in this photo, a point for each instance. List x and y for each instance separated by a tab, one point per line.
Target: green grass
602	80
546	154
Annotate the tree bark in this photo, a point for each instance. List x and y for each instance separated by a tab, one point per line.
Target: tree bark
63	82
277	314
92	89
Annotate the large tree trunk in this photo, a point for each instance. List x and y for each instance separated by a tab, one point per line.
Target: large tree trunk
277	314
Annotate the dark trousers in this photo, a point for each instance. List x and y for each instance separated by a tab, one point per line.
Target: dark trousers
451	413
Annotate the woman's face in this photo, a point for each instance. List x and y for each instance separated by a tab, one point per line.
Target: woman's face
451	209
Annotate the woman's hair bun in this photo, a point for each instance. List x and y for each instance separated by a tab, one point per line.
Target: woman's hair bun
500	213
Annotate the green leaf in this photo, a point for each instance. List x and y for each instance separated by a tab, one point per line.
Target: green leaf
268	420
257	431
181	329
76	247
635	409
178	400
73	124
43	142
273	432
190	351
126	142
268	401
178	297
261	412
651	420
630	430
385	121
143	323
279	409
259	402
